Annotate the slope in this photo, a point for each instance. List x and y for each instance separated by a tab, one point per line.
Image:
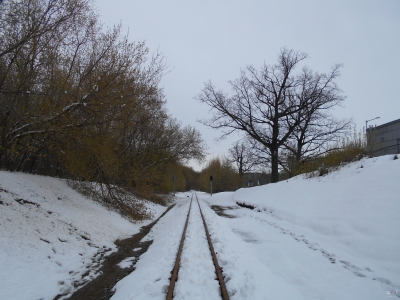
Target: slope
53	239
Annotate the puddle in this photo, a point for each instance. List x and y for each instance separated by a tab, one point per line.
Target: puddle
220	210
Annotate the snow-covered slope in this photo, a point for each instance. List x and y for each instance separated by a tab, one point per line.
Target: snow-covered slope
330	237
50	236
356	210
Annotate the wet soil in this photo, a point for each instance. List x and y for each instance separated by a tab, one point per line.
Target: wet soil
101	288
220	210
245	205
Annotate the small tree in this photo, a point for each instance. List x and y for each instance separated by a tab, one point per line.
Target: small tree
244	158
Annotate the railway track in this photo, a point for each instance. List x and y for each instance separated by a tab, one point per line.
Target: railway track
218	269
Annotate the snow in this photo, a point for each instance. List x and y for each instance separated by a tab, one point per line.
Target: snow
127	262
51	236
330	237
355	213
196	256
150	280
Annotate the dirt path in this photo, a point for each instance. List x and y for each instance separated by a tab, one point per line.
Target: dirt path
101	287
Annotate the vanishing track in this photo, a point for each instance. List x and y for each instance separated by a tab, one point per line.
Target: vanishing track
218	269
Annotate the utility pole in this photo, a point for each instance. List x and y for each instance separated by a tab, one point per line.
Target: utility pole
366	123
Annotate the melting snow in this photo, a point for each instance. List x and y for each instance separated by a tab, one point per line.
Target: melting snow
51	236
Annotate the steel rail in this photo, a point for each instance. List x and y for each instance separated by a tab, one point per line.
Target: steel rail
175	270
218	269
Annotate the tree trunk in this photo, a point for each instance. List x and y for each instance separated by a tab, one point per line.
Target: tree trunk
274	165
275	146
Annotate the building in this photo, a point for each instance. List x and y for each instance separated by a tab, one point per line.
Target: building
384	139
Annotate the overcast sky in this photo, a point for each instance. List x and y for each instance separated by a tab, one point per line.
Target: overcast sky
213	39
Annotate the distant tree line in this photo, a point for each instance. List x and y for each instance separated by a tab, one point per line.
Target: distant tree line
82	102
225	177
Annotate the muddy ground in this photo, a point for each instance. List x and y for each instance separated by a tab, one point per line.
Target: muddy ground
101	288
220	210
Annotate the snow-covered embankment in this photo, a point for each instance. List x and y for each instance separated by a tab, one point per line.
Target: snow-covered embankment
52	236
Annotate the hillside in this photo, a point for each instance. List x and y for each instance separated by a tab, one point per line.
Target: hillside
51	237
356	211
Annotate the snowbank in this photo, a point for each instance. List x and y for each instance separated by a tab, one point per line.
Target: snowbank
355	212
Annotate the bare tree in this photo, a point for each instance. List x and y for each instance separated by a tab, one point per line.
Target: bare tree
243	157
261	104
317	130
267	105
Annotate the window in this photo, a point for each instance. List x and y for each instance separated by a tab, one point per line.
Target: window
382	139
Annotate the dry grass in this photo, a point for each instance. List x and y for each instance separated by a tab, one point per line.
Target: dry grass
351	148
115	199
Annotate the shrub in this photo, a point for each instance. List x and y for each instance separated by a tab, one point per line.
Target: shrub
351	148
114	198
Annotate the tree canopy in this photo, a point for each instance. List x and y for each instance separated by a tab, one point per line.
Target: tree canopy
83	102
